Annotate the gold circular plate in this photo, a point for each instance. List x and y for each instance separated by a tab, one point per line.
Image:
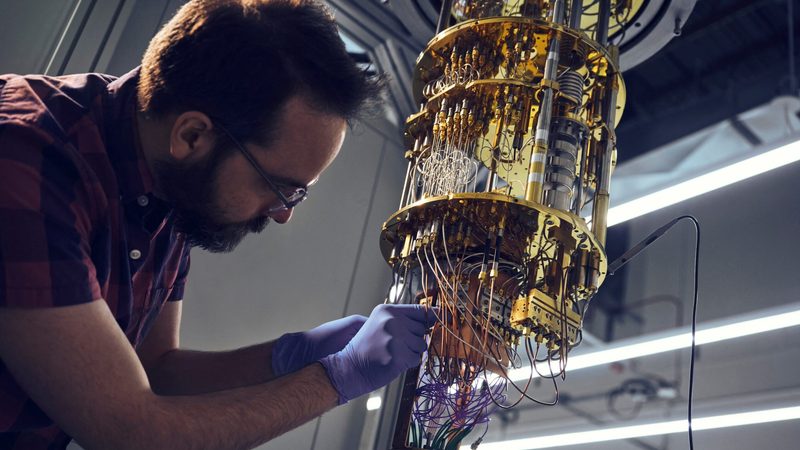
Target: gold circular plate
529	224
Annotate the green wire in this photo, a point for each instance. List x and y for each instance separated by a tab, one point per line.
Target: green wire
440	434
446	437
414	441
456	440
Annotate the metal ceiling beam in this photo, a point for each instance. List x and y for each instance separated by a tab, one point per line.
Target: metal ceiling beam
419	29
376	21
745	131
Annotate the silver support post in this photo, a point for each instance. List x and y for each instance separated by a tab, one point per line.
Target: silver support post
444	15
604	15
576	12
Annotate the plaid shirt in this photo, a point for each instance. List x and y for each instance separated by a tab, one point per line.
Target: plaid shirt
78	220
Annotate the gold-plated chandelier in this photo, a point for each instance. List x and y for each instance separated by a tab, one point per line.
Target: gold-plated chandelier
502	218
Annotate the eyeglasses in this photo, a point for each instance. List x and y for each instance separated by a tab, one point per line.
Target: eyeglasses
290	194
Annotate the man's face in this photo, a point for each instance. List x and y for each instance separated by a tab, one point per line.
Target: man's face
217	195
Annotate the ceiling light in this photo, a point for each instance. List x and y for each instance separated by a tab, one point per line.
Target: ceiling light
768	320
650	429
781	156
373	403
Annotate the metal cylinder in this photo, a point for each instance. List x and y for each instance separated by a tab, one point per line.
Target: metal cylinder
570	84
562	155
533	191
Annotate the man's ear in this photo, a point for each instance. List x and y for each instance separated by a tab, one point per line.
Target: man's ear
192	137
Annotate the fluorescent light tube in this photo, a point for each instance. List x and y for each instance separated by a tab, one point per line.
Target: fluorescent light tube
675	341
651	429
373	403
710	181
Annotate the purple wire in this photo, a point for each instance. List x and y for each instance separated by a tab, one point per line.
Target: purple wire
439	404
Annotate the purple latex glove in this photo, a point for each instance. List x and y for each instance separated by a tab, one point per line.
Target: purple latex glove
293	351
391	341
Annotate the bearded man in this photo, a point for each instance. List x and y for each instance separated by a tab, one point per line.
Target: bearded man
105	186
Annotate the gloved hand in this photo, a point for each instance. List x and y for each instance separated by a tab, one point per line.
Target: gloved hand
391	341
293	351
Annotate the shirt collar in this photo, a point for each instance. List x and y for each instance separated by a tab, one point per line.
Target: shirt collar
122	138
124	149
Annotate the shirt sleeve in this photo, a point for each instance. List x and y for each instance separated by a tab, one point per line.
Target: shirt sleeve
183	272
45	223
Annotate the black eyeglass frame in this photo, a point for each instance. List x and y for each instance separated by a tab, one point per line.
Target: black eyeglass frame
274	185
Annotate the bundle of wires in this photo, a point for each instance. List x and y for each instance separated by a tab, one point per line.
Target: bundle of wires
445	413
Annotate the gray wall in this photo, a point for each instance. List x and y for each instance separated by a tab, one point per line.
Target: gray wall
30	32
72	36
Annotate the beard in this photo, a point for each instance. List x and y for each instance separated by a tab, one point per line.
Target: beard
191	190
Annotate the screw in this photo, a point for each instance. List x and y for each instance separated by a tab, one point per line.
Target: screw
678	27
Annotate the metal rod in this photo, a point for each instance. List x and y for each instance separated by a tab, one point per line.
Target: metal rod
575	14
582	156
444	15
558	12
792	69
404	410
601	198
603	17
536	167
406	183
492	177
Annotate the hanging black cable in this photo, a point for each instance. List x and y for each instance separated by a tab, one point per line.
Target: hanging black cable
635	251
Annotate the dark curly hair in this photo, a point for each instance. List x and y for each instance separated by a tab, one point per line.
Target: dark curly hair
239	61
